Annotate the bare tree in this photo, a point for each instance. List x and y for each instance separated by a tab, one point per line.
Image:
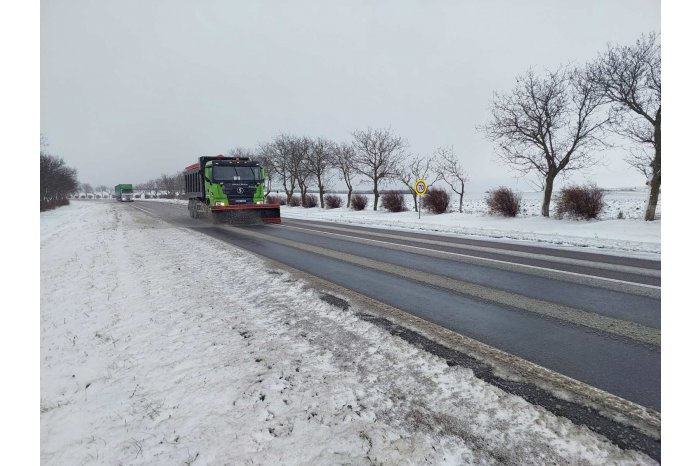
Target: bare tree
379	152
278	153
301	148
170	184
415	168
87	189
548	125
163	183
318	163
344	161
241	152
450	170
56	180
143	187
101	189
265	158
629	77
153	187
179	183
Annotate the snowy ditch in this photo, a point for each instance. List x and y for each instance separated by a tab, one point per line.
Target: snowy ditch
163	346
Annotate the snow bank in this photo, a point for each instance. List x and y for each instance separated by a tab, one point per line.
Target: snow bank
631	234
161	346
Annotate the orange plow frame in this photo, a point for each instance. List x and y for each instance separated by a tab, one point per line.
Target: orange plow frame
247	207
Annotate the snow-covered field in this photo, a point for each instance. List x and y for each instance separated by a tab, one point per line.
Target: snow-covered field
161	346
628	235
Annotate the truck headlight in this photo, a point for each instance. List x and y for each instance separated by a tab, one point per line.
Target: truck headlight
260	202
219	203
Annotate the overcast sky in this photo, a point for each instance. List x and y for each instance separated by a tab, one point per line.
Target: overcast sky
131	89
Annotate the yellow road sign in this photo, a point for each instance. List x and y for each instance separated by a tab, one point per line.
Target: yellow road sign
420	187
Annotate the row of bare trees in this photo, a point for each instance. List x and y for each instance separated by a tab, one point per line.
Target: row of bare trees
553	123
86	190
549	124
377	154
57	181
165	185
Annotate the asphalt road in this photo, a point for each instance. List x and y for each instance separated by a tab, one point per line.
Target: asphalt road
593	317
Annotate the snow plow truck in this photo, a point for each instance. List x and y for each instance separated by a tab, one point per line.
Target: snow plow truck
124	192
229	190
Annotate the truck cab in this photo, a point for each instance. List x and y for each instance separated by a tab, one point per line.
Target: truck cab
234	182
124	192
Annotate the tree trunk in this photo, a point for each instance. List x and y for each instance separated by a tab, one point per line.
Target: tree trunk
349	195
320	191
549	184
288	192
461	199
655	184
415	201
303	195
376	194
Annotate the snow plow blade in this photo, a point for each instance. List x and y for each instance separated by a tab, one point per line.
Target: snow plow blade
247	214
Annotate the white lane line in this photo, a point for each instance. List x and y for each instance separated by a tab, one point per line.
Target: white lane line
550	272
479	259
144	210
589	319
526	255
510	365
541	376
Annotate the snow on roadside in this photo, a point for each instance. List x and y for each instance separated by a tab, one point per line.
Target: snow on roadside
619	236
628	236
161	346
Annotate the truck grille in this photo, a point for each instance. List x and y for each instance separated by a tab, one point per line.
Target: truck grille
239	193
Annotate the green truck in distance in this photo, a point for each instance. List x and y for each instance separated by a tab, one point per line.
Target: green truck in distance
124	192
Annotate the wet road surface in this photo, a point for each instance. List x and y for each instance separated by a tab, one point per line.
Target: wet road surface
592	317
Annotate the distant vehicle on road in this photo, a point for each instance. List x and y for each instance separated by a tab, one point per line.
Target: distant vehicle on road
229	190
124	192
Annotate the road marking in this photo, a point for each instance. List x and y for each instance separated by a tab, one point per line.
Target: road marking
509	365
613	406
632	330
143	210
640	289
588	319
614	284
521	254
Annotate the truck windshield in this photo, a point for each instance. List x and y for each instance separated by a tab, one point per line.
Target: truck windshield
222	173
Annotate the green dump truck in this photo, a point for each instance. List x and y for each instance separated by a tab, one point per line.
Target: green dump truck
124	192
228	190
